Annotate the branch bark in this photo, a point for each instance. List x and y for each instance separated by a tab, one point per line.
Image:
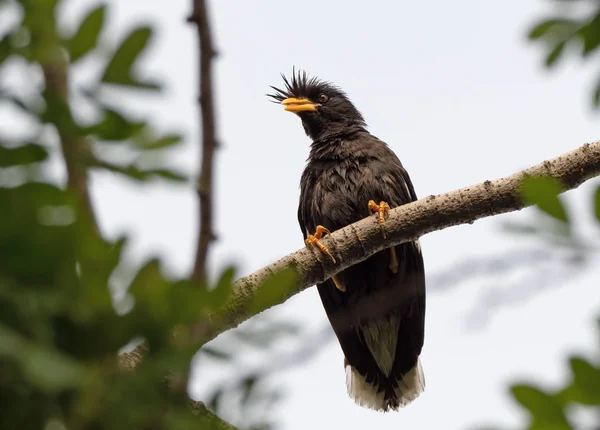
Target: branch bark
364	238
199	17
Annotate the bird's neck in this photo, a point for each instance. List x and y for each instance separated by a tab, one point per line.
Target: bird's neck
338	144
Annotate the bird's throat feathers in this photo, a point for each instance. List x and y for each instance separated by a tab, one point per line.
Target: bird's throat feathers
320	128
342	144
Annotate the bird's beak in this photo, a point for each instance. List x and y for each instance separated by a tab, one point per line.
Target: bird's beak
295	105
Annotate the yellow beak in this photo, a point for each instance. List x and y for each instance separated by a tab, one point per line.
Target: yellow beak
299	105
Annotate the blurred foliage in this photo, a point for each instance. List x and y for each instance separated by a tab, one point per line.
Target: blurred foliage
576	24
552	221
551	409
557	409
36	40
59	331
543	192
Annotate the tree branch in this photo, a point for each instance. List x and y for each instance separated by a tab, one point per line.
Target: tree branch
199	16
206	235
360	240
73	147
364	238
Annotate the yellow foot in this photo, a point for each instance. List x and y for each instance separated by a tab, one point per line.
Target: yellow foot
383	208
314	239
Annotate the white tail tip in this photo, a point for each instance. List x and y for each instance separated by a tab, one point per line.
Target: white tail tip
366	394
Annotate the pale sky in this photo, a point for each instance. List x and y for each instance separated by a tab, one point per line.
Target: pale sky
459	95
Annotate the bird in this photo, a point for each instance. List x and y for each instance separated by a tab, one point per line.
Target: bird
377	307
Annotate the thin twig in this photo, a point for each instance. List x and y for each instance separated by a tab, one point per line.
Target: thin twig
73	147
362	239
199	17
206	235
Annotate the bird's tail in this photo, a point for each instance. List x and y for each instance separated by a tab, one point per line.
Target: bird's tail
368	395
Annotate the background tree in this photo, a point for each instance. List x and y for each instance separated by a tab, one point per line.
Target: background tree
59	332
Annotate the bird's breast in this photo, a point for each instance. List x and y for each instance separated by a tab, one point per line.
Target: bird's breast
336	191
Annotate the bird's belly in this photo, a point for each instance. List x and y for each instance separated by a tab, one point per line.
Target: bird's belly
335	208
339	194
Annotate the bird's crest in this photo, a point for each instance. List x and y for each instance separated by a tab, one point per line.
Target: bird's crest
301	85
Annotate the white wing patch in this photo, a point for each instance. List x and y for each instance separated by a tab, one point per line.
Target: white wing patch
381	337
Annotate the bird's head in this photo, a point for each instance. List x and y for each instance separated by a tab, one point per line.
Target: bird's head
322	107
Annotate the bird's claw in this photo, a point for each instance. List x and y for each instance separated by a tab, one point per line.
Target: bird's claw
382	208
314	239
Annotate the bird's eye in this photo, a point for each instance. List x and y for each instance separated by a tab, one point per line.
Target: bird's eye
323	98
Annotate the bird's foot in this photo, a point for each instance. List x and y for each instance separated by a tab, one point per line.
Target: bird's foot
382	208
314	239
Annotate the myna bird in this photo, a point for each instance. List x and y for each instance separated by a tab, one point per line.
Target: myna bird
377	307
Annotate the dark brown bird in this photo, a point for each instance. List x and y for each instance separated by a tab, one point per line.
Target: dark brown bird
377	307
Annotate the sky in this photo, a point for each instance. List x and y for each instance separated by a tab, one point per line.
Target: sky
459	94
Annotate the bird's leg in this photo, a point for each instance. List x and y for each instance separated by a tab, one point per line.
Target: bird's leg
314	239
383	208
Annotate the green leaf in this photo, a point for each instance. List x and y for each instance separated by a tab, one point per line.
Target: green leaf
543	407
31	253
597	203
180	418
543	192
52	371
5	48
586	378
85	38
24	154
277	287
167	174
543	425
44	368
590	33
148	143
150	288
114	126
120	68
185	300
553	26
555	53
219	295
165	302
596	95
134	172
